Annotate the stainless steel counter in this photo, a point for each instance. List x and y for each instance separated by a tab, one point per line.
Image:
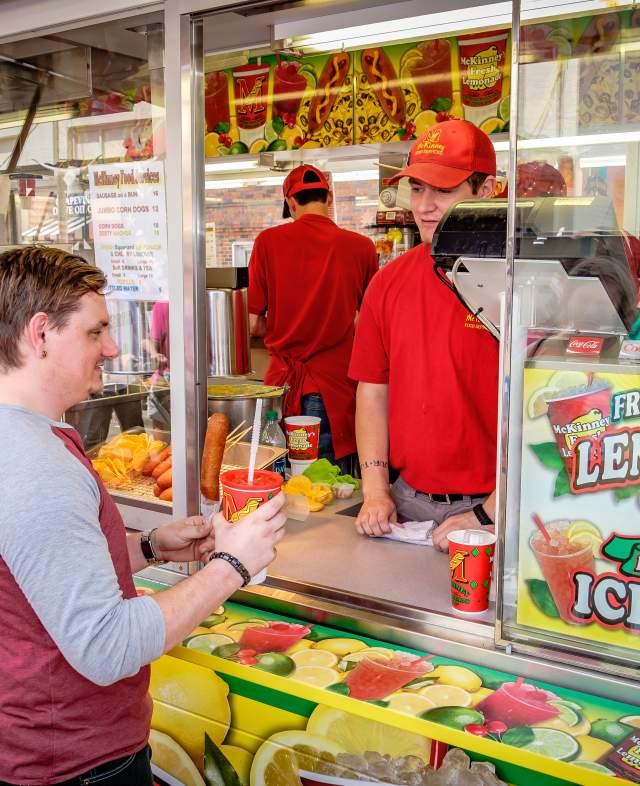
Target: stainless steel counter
326	556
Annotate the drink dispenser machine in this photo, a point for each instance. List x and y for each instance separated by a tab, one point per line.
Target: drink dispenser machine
228	321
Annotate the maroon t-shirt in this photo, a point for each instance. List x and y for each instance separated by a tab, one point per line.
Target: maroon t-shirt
55	723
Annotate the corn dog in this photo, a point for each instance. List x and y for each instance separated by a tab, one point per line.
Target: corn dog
212	453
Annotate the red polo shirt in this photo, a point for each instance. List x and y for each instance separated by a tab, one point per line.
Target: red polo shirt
441	366
310	276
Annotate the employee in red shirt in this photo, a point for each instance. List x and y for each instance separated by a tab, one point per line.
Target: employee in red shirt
427	369
308	277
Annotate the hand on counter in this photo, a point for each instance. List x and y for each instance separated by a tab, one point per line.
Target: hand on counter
466	520
186	540
253	538
375	514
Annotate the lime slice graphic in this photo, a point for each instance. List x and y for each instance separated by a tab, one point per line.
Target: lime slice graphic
270	134
547	742
503	108
275	663
207	642
238	148
567	714
594	766
455	717
310	75
610	731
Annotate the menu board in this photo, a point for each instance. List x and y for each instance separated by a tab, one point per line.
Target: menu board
378	94
128	219
581	486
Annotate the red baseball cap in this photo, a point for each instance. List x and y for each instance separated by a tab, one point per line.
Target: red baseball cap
448	153
304	178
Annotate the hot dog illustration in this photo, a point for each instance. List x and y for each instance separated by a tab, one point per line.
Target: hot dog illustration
331	80
384	81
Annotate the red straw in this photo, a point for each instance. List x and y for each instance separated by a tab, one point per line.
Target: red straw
437	753
541	527
278	58
590	376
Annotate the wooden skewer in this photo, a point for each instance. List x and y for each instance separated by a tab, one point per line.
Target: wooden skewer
236	438
235	430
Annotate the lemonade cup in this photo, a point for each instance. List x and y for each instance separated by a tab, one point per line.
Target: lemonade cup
582	412
303	433
274	637
471	554
241	497
374	678
559	559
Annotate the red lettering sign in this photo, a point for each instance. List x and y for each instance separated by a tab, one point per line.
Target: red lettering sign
585	345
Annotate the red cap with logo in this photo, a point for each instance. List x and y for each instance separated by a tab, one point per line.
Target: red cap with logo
304	178
448	153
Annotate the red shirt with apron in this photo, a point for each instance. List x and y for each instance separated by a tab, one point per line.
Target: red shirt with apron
309	276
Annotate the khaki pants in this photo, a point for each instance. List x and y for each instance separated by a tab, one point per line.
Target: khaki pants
412	505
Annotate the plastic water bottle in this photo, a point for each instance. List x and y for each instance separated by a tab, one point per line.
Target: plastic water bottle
273	435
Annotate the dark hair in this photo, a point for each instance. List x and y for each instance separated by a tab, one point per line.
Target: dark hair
38	278
476	180
305	197
310	195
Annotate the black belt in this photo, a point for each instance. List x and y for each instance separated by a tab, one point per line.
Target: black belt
448	499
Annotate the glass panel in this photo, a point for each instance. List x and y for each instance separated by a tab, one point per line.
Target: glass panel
571	573
81	151
351	105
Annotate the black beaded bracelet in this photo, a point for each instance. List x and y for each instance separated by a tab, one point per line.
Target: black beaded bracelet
234	562
481	514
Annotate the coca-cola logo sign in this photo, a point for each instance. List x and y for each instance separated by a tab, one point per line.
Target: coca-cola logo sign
630	349
585	345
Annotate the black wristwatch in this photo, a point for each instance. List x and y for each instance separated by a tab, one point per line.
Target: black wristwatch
146	546
481	514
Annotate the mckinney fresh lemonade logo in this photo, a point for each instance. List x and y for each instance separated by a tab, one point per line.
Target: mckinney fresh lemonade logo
299	440
483	68
590	425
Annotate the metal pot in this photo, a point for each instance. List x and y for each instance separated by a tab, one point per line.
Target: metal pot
228	332
241	406
130	327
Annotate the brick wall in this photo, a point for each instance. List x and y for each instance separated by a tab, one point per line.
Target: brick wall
242	213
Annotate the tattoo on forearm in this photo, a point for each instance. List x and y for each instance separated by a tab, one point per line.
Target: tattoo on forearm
374	463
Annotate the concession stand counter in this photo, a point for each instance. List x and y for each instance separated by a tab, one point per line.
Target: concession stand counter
161	138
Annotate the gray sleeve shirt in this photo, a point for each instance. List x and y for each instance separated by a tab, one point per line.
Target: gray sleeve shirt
51	541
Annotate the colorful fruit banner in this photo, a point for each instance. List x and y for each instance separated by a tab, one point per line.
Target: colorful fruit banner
257	699
579	542
378	94
608	77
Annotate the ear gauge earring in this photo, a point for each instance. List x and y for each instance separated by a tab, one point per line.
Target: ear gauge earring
43	354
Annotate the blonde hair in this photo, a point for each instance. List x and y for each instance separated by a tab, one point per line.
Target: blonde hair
40	278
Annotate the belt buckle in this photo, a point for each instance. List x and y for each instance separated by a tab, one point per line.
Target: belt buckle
446	501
